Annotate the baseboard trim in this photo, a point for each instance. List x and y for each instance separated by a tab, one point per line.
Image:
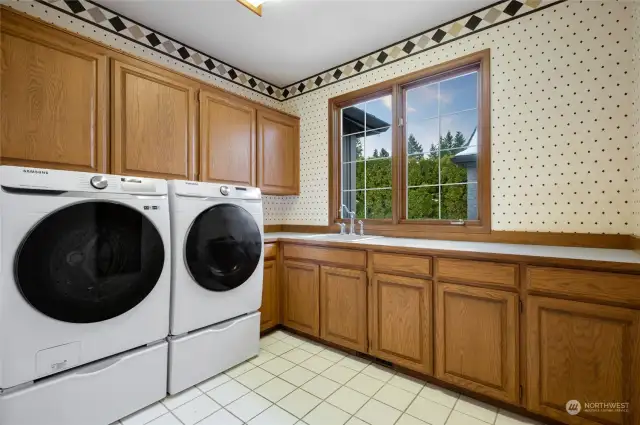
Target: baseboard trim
582	240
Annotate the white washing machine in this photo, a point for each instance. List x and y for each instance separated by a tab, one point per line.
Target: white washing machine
84	275
217	238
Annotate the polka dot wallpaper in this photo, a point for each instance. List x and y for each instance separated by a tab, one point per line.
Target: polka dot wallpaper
636	121
565	116
561	122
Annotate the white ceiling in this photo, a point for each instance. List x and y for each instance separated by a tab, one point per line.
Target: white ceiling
294	39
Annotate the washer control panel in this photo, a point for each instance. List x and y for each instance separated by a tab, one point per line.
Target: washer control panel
99	182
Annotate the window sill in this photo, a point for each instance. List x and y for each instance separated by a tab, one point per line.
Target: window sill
413	228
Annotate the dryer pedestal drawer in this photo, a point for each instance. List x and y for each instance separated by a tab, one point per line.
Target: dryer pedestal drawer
98	393
203	354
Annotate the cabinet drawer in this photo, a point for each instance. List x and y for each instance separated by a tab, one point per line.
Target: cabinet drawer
477	271
344	257
270	250
598	286
403	264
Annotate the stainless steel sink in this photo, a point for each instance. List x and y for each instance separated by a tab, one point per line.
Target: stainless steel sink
342	238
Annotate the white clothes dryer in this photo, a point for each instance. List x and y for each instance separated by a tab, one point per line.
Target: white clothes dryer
217	239
84	269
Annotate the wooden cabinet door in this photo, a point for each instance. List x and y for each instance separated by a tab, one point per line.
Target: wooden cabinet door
54	98
477	340
343	307
227	139
584	352
153	121
278	153
401	324
301	297
269	307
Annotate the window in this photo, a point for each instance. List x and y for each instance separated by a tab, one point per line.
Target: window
442	149
366	158
412	154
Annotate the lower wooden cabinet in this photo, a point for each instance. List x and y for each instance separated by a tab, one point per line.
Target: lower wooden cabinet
401	321
584	352
269	307
477	340
301	309
343	307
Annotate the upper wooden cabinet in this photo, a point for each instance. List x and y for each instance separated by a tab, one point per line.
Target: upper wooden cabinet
269	307
343	307
54	98
227	139
278	153
153	122
401	324
585	352
301	297
477	340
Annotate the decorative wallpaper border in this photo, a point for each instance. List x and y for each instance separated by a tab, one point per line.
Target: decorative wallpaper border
100	16
482	19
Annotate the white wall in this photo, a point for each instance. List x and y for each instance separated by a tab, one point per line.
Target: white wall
561	122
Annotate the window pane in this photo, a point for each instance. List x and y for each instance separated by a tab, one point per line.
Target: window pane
379	203
378	143
378	173
422	102
422	170
458	130
354	200
353	119
353	176
460	202
353	147
422	136
459	168
422	203
378	112
459	93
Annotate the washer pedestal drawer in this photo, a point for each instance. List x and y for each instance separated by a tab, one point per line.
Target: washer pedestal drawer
98	393
205	353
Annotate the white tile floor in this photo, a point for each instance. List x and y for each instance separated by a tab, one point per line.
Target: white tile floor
295	381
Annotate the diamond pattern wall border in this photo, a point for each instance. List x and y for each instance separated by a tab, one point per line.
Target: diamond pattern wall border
106	19
490	16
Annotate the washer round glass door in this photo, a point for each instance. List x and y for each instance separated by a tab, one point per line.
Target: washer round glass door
89	262
223	247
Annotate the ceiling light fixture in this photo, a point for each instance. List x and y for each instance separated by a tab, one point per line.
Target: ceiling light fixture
253	5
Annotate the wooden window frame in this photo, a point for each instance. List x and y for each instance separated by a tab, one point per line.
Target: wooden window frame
399	225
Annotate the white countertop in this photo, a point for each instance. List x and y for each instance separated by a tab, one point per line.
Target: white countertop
571	253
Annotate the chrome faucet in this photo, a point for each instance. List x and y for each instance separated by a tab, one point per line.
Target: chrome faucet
352	218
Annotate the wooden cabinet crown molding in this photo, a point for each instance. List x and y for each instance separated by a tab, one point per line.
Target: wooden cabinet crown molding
55	96
153	123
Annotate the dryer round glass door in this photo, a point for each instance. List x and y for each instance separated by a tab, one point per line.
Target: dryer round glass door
89	262
223	247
